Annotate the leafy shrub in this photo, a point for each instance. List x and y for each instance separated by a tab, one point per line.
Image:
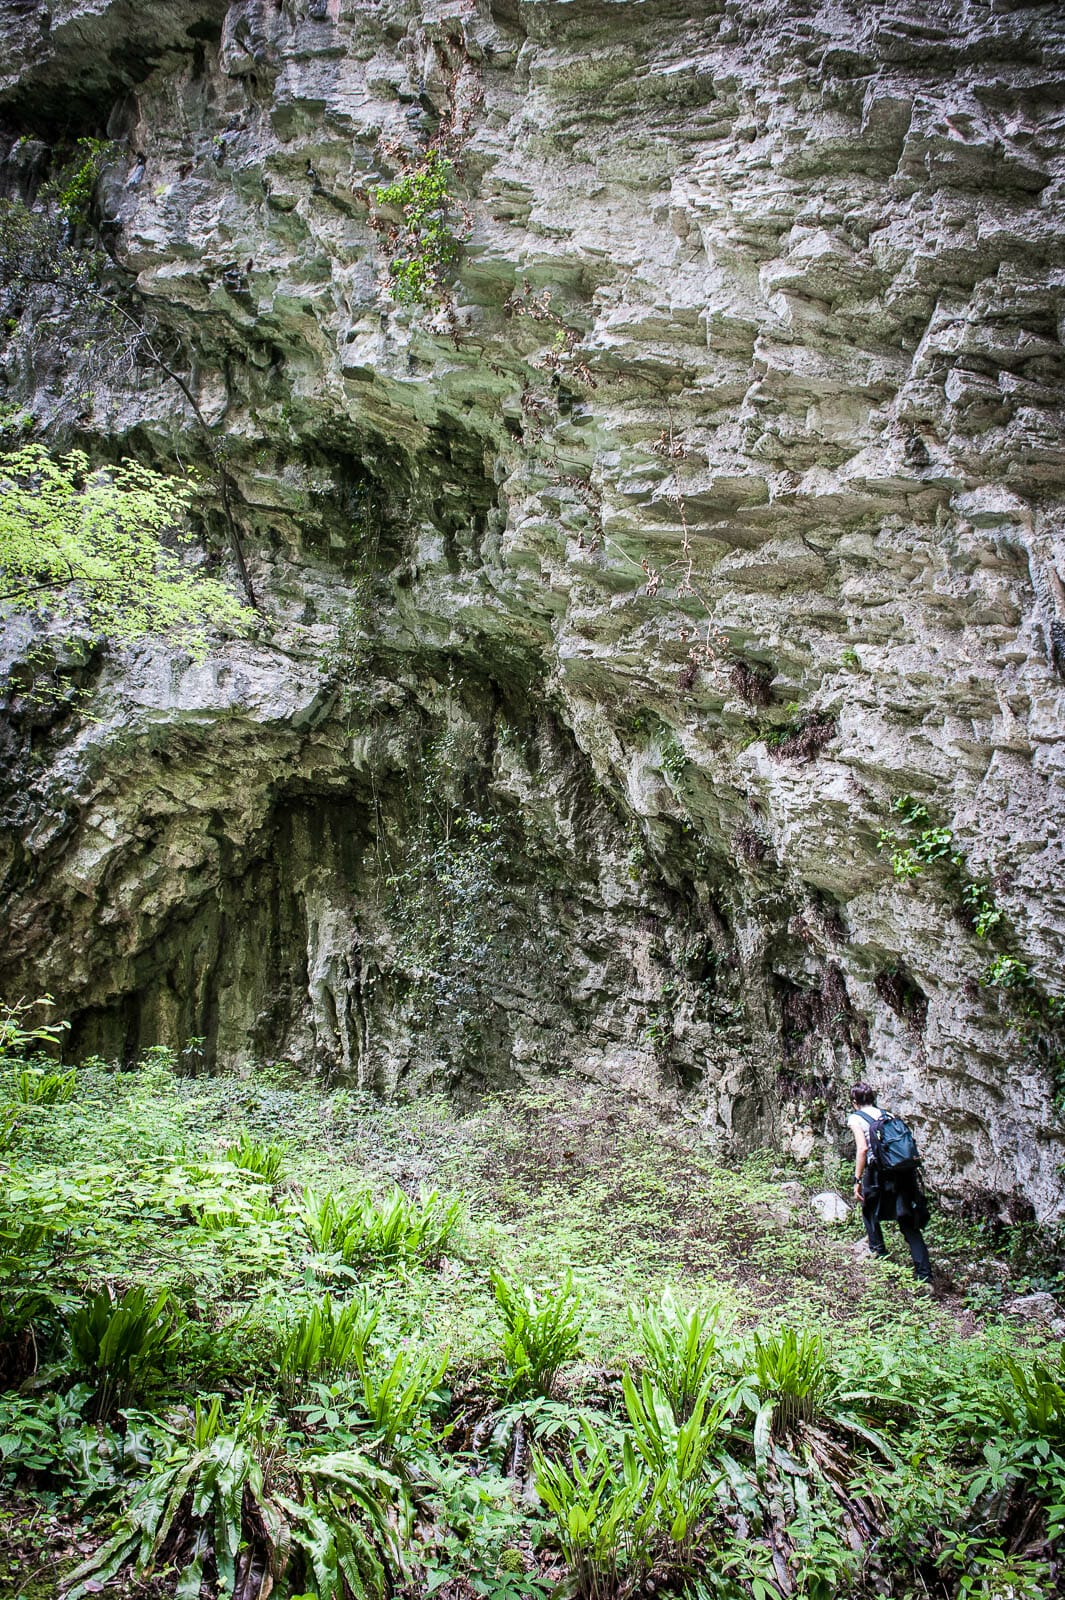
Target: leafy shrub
445	905
256	1157
1029	1453
1006	972
47	1438
323	1343
479	1537
231	1353
980	906
229	1506
426	247
672	759
87	544
540	1334
117	1343
17	1040
926	846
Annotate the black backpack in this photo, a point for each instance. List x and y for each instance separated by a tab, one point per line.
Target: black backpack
892	1147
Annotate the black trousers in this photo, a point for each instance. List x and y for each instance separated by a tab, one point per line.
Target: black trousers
887	1204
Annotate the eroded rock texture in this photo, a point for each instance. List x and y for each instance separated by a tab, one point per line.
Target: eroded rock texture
607	610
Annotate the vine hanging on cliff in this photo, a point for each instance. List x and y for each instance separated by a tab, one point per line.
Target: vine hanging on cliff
424	246
419	214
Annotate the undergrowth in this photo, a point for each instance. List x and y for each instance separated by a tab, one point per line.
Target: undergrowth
266	1338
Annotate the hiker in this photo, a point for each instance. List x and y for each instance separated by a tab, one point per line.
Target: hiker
886	1181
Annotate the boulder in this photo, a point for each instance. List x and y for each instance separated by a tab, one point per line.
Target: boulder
830	1207
1041	1309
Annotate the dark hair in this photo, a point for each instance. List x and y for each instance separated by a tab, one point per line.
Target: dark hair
863	1095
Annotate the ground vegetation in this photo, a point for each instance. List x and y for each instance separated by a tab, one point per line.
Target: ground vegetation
260	1336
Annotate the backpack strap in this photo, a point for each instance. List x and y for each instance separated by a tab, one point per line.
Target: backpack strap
874	1123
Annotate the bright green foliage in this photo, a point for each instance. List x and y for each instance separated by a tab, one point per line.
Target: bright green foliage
676	1454
48	1435
615	1518
604	1516
1036	1405
680	1350
75	184
324	1343
17	1040
865	1447
426	248
396	1397
1028	1453
792	1376
540	1334
401	1229
36	1086
229	1498
117	1343
980	904
1006	972
481	1536
257	1157
221	1210
340	1525
924	846
85	545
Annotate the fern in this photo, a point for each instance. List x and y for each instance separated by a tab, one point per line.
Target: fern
680	1350
540	1334
257	1158
324	1343
35	1086
230	1508
115	1343
362	1232
395	1400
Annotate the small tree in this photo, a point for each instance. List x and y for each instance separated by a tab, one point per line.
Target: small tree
85	545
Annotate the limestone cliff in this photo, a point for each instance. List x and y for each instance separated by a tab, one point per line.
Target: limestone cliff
608	604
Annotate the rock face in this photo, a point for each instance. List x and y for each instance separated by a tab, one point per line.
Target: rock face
606	608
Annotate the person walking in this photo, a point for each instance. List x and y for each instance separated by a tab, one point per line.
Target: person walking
887	1192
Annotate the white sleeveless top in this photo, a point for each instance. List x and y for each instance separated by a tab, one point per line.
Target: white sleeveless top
860	1128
